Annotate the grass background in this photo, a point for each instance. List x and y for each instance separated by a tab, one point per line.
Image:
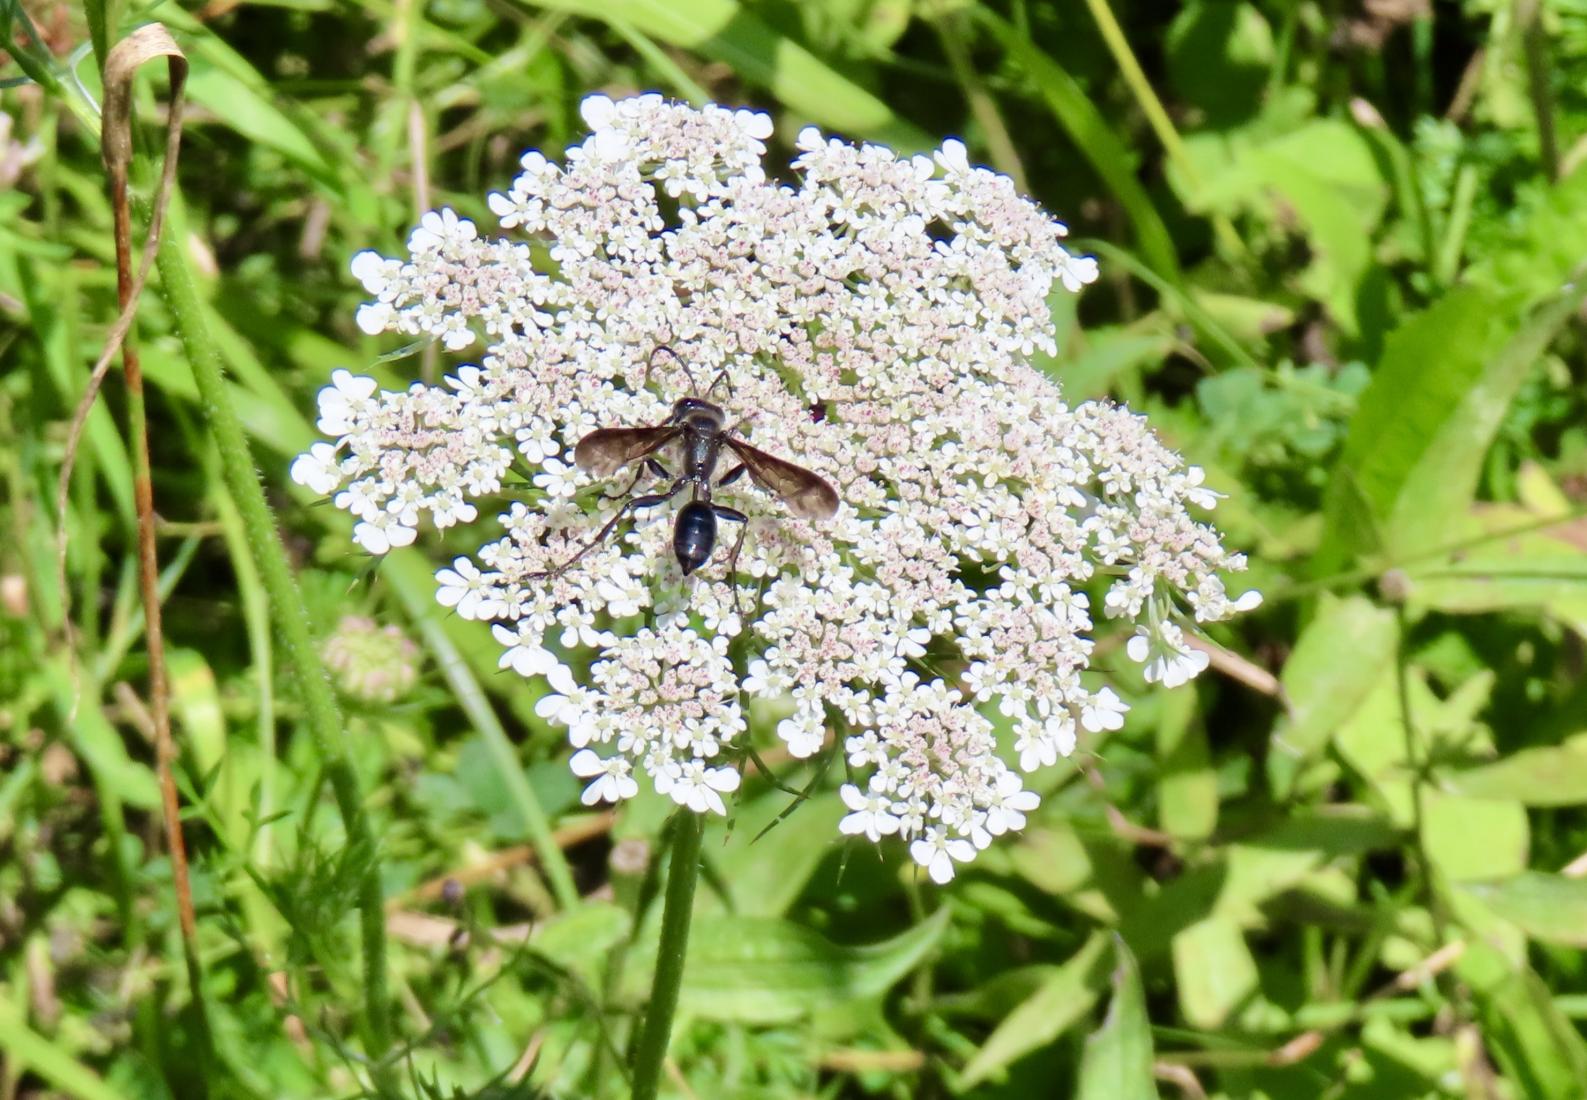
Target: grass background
1342	247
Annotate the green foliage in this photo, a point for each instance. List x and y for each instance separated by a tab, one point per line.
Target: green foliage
1343	252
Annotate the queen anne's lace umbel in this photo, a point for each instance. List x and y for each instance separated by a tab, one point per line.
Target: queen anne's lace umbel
875	321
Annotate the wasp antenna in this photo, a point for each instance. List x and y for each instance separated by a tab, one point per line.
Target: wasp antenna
693	388
721	376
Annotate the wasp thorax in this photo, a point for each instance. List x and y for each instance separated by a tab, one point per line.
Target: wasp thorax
698	414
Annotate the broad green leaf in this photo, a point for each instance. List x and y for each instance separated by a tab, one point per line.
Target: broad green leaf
1422	428
1373	740
1117	1064
1214	971
242	106
1551	908
1321	174
1552	775
581	939
767	873
725	31
1346	650
1106	359
1420	435
1469	838
1219	58
1245	876
1187	791
1249	319
1520	567
1096	141
1088	871
1540	1052
1056	1006
195	701
753	970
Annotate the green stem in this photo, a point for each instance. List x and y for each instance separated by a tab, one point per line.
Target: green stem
676	911
1157	116
1528	14
951	32
415	587
290	615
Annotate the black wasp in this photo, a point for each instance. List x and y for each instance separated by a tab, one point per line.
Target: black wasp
700	427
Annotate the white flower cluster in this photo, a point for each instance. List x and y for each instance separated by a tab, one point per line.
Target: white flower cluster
871	321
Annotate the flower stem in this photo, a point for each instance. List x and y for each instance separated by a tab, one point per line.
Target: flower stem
291	620
676	911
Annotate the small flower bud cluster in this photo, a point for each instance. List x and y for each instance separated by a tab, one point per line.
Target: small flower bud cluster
872	321
371	663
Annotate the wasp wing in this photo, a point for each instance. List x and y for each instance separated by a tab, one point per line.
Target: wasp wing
807	495
606	450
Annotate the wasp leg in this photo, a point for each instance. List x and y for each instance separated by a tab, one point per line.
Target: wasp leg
651	465
634	504
733	515
732	475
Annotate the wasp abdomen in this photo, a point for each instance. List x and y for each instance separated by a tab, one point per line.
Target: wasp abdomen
694	535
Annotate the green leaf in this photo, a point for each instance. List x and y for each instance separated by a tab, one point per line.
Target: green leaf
1539	570
1539	1050
26	1049
195	701
1214	971
1247	874
1089	871
1552	775
1551	908
1117	1064
242	106
753	970
1422	428
1321	174
582	939
1187	791
94	739
1469	838
766	875
1058	1003
724	31
1337	660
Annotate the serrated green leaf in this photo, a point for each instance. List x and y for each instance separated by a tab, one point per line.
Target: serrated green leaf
1117	1064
